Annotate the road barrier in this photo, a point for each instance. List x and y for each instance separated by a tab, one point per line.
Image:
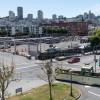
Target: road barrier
79	79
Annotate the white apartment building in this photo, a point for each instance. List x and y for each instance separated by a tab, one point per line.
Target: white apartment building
22	26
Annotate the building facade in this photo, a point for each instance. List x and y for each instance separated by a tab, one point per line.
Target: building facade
20	13
11	16
74	28
40	14
54	16
30	17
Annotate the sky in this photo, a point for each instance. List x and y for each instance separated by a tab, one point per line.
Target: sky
68	8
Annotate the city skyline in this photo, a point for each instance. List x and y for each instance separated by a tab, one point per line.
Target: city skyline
67	8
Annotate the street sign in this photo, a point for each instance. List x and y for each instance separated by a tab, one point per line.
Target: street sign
19	90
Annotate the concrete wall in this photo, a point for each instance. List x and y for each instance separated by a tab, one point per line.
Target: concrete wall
79	79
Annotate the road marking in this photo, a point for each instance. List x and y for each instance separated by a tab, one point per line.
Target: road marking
27	67
86	86
22	64
94	93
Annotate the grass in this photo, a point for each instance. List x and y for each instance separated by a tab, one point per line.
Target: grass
59	91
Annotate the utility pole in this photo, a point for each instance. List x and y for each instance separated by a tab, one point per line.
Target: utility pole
40	42
4	46
14	46
95	61
99	60
71	92
40	34
29	48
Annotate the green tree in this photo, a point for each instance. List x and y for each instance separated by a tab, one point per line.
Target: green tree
94	38
94	32
55	31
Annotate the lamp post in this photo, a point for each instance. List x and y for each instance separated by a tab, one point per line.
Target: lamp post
99	61
40	34
4	46
29	47
95	60
14	46
71	92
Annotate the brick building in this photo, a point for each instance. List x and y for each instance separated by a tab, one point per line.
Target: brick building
74	28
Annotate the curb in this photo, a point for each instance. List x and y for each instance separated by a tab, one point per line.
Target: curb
78	95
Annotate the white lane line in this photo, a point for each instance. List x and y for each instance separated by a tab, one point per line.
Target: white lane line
28	67
94	93
86	86
25	63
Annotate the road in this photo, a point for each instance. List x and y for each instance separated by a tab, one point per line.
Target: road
26	72
77	66
30	75
89	92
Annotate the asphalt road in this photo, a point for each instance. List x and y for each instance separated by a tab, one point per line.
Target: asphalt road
89	92
30	74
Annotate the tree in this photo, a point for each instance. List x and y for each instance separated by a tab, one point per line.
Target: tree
6	73
94	32
49	73
55	31
95	40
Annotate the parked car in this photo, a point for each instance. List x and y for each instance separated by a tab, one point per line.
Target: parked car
60	58
28	56
74	60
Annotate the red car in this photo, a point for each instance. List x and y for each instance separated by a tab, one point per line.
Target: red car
74	60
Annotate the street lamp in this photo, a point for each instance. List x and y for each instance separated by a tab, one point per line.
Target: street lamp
71	93
14	41
95	60
99	61
40	34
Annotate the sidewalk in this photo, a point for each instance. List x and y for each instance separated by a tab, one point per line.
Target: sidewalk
25	85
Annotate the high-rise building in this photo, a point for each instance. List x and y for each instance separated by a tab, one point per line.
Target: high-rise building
11	15
30	17
20	12
60	17
40	14
91	15
54	16
85	15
